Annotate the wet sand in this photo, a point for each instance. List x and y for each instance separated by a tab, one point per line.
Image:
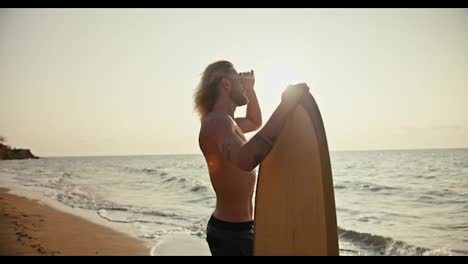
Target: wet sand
28	227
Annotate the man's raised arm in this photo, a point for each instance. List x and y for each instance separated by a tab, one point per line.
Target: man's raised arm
253	117
247	156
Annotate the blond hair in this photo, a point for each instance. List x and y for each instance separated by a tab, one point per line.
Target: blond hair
206	92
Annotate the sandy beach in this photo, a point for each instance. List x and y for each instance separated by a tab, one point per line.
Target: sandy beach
31	228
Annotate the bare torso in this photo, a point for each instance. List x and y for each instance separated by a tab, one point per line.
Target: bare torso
234	187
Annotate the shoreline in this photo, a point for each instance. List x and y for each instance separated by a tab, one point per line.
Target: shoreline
29	228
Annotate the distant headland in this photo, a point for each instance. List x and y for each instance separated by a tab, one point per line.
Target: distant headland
8	153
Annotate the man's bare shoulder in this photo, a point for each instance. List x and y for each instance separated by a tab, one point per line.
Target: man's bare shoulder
213	125
214	120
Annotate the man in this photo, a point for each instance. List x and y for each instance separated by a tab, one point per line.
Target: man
231	159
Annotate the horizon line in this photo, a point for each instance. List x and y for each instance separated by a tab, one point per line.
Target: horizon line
183	154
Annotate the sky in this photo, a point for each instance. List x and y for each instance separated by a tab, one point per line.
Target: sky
91	82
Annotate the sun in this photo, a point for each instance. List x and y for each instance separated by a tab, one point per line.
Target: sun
279	75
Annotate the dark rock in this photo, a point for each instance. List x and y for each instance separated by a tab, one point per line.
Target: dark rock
7	153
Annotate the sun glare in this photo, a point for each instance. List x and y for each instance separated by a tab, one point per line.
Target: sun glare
276	77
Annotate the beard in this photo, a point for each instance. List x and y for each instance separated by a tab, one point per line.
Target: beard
239	98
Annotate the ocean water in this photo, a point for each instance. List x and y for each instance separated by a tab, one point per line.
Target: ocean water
408	202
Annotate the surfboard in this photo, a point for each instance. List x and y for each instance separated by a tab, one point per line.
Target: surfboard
294	204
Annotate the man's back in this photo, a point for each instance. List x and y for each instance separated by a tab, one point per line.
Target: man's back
234	187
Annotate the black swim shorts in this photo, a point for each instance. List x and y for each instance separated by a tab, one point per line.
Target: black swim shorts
230	239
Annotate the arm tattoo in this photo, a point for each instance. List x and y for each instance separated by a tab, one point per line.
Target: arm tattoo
273	138
257	159
264	148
